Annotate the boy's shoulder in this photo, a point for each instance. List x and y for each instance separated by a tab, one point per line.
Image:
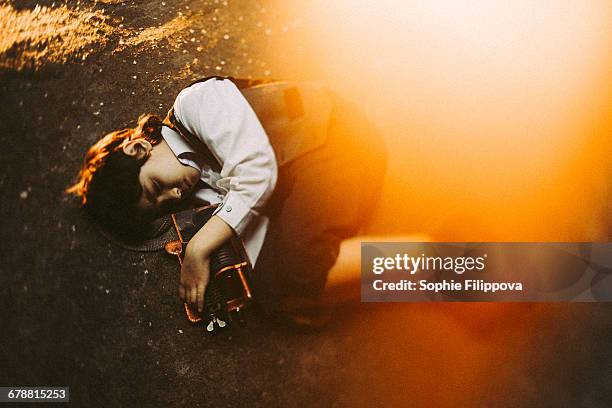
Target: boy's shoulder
294	114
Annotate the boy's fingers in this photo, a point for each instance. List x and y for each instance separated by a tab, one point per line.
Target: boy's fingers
200	297
187	294
194	294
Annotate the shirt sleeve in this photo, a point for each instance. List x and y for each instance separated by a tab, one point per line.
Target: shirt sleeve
217	113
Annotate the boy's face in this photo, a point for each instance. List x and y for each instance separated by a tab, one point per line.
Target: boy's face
164	180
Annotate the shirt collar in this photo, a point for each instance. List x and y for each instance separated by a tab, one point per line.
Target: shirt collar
181	149
177	144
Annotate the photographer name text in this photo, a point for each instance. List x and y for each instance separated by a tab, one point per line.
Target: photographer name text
476	285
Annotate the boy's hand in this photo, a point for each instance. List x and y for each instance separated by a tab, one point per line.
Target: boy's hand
195	273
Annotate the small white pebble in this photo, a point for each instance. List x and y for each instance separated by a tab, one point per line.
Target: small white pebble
180	331
146	271
107	291
23	195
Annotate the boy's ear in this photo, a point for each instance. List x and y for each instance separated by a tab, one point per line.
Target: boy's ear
139	148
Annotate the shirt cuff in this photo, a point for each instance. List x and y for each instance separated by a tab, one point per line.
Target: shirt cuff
234	212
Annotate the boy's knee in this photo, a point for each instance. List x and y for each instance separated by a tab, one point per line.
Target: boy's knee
299	269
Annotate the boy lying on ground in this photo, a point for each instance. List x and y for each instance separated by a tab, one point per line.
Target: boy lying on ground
295	172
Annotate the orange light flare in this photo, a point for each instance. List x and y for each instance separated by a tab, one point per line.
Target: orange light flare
497	115
498	121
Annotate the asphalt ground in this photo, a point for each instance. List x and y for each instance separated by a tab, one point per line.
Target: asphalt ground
80	311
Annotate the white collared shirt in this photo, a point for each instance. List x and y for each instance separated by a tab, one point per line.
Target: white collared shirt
217	113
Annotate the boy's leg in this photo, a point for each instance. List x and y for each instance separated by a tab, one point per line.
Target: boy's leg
321	198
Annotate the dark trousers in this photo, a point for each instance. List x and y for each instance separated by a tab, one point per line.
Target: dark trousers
321	198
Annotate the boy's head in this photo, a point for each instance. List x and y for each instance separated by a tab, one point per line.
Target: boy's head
130	177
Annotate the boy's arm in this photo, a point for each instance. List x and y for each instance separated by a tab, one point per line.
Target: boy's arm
195	269
216	112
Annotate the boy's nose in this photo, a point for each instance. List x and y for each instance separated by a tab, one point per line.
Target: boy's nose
172	194
176	193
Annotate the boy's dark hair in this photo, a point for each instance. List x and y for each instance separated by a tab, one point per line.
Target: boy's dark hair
108	180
